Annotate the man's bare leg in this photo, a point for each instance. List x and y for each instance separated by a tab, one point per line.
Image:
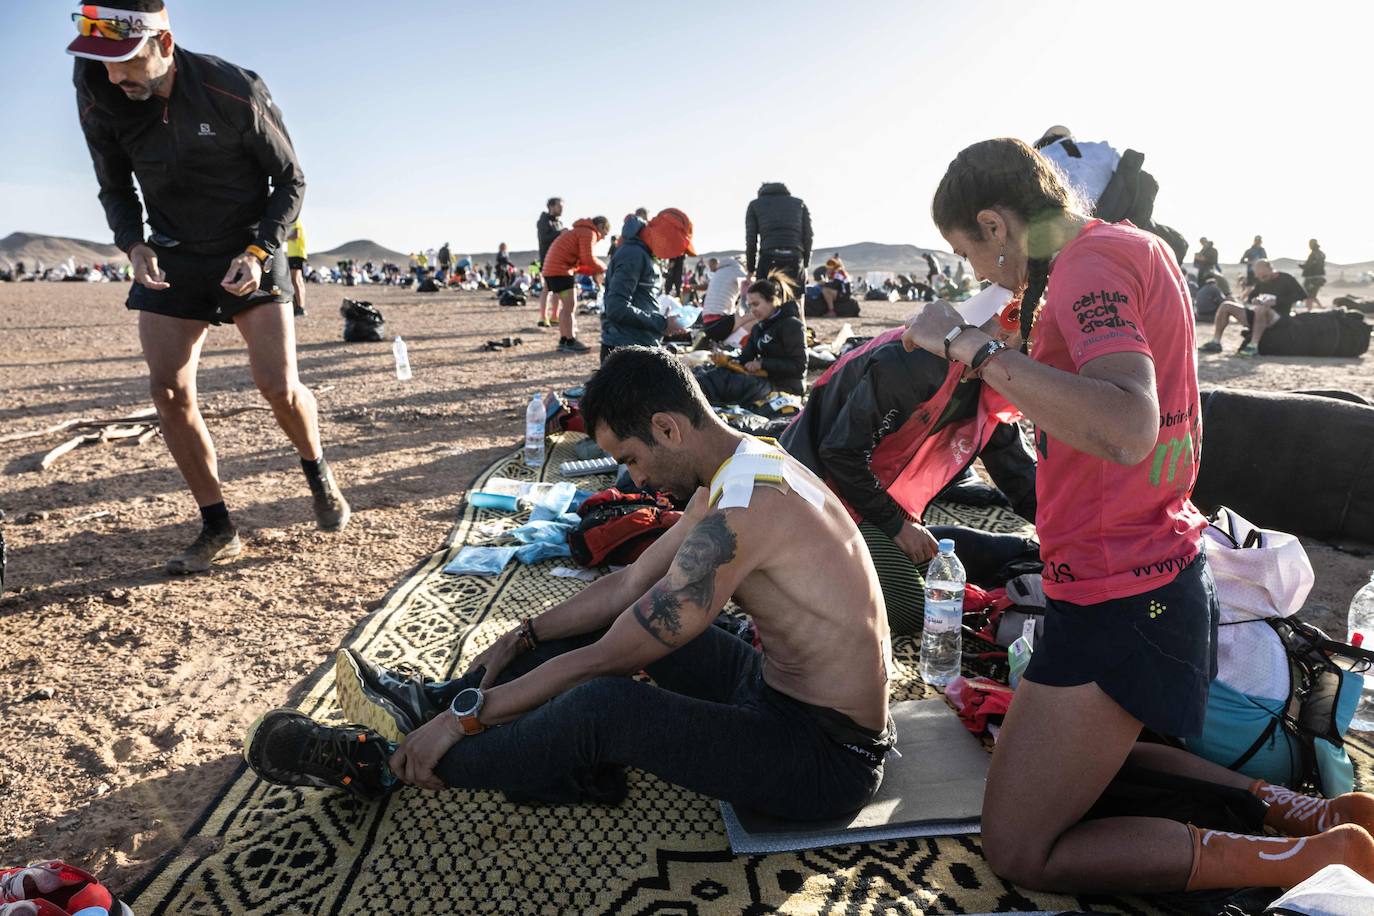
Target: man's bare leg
567	322
271	338
298	291
1225	312
171	348
544	297
1264	317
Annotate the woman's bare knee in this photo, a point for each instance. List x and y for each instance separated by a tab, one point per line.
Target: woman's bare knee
1014	857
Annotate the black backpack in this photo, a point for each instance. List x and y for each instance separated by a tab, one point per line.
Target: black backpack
1334	332
362	322
511	297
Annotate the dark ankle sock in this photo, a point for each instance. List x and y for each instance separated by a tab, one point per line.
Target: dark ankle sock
314	470
216	517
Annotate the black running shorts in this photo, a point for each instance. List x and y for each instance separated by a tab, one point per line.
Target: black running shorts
296	263
558	283
1155	654
195	293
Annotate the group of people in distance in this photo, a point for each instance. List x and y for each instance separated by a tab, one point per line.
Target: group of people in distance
1267	296
550	711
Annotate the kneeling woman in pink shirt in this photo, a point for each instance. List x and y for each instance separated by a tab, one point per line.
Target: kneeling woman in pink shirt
1110	382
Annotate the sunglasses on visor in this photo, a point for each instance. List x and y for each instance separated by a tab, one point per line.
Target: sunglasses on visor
113	29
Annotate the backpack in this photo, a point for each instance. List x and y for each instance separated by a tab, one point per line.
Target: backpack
1279	706
362	322
617	528
1130	195
1358	303
1334	332
511	297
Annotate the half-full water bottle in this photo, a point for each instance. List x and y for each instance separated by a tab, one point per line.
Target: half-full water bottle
535	421
402	359
942	635
1362	634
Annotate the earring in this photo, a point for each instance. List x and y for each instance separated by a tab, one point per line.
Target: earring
1001	260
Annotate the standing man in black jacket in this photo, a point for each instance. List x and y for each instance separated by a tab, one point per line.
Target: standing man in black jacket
222	185
548	226
777	234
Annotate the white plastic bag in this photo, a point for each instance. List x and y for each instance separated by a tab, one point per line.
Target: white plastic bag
1259	573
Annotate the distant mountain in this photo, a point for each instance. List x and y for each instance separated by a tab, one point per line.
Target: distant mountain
50	250
361	250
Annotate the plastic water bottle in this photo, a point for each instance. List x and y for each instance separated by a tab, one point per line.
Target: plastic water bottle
942	636
1362	634
534	432
402	359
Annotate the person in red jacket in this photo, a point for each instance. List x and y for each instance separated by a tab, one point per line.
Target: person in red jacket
570	254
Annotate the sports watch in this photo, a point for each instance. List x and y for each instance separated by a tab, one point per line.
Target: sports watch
261	254
466	706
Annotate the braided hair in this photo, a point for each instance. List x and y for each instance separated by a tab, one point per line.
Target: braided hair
1038	277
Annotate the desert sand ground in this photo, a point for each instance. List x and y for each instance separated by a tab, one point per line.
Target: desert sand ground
153	679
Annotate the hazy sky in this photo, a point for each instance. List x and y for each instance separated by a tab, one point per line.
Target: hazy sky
420	122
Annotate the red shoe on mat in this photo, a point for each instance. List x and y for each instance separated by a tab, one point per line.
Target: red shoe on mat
56	889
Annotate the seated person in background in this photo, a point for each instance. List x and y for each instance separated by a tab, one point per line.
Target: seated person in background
888	430
836	282
551	710
1270	301
774	356
1207	299
722	293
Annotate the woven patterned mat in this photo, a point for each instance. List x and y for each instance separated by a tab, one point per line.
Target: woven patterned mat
264	849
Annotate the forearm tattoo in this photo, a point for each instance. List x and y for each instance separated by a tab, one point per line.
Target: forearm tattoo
691	580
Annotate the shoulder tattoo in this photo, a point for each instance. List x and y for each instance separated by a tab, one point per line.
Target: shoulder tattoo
691	580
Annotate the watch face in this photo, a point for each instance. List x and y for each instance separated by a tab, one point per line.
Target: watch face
467	702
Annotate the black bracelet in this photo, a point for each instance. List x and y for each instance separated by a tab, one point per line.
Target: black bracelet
985	353
951	337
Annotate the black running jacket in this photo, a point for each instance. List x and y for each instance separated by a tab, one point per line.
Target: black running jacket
214	162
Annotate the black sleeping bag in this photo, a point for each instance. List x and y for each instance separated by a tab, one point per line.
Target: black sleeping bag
1292	462
1333	332
1358	303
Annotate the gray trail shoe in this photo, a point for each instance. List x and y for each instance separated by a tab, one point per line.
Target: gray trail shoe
209	547
389	703
332	511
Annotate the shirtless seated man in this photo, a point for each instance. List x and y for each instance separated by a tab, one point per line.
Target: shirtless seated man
551	711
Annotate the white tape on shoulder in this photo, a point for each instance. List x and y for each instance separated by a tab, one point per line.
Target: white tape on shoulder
755	463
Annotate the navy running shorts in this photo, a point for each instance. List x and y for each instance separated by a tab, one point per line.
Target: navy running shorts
1155	653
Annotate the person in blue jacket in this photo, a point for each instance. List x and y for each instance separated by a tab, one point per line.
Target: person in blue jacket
633	281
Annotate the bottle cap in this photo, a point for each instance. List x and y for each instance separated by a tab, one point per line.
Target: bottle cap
946	545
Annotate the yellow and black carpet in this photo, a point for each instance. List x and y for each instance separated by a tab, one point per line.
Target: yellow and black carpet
275	850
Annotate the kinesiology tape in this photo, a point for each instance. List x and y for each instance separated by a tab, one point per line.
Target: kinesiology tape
756	462
1222	860
1303	815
